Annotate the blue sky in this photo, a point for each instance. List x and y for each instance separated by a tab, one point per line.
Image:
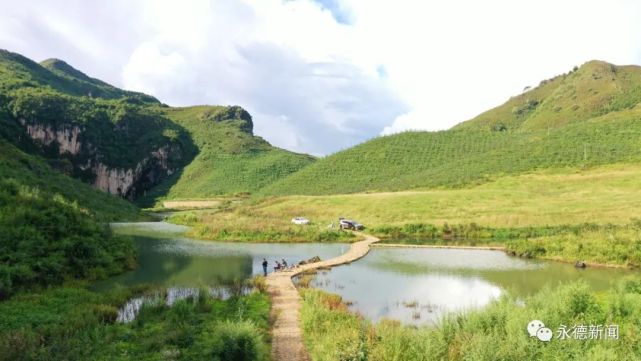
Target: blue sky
320	76
341	14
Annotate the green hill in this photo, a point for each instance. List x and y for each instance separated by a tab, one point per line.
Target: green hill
34	173
128	143
17	71
119	141
588	117
594	89
230	159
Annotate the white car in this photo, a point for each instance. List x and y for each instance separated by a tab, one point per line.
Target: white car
301	220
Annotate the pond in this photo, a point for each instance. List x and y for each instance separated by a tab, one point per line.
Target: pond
419	285
412	285
178	267
167	259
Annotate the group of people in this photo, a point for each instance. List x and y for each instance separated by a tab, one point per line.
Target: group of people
282	265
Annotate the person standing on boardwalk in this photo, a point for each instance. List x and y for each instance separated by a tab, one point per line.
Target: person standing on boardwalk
265	266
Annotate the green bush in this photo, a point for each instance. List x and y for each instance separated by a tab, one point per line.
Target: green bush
236	341
46	240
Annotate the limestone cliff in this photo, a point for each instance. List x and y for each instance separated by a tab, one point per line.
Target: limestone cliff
130	182
127	182
66	138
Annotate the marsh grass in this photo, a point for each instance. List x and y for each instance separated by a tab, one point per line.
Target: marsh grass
410	304
496	332
73	323
305	281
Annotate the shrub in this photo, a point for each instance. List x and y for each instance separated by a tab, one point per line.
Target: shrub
232	341
45	240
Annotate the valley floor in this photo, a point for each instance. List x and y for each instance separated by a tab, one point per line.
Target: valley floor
567	214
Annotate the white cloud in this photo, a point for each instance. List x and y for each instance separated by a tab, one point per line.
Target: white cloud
313	83
276	63
452	60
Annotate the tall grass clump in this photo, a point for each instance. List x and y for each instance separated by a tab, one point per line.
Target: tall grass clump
496	332
232	341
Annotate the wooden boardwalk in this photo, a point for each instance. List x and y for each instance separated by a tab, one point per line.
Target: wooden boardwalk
287	335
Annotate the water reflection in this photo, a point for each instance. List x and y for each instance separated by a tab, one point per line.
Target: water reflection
175	261
130	310
168	262
149	229
418	285
180	267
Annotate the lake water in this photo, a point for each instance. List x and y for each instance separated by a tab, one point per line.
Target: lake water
412	285
167	259
418	285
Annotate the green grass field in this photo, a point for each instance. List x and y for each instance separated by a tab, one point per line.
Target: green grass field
607	194
565	212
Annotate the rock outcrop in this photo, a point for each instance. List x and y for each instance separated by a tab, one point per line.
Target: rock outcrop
66	138
127	182
130	182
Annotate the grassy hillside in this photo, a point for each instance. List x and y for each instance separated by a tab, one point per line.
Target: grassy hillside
52	226
230	158
455	158
511	139
87	126
46	240
594	89
17	71
33	172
